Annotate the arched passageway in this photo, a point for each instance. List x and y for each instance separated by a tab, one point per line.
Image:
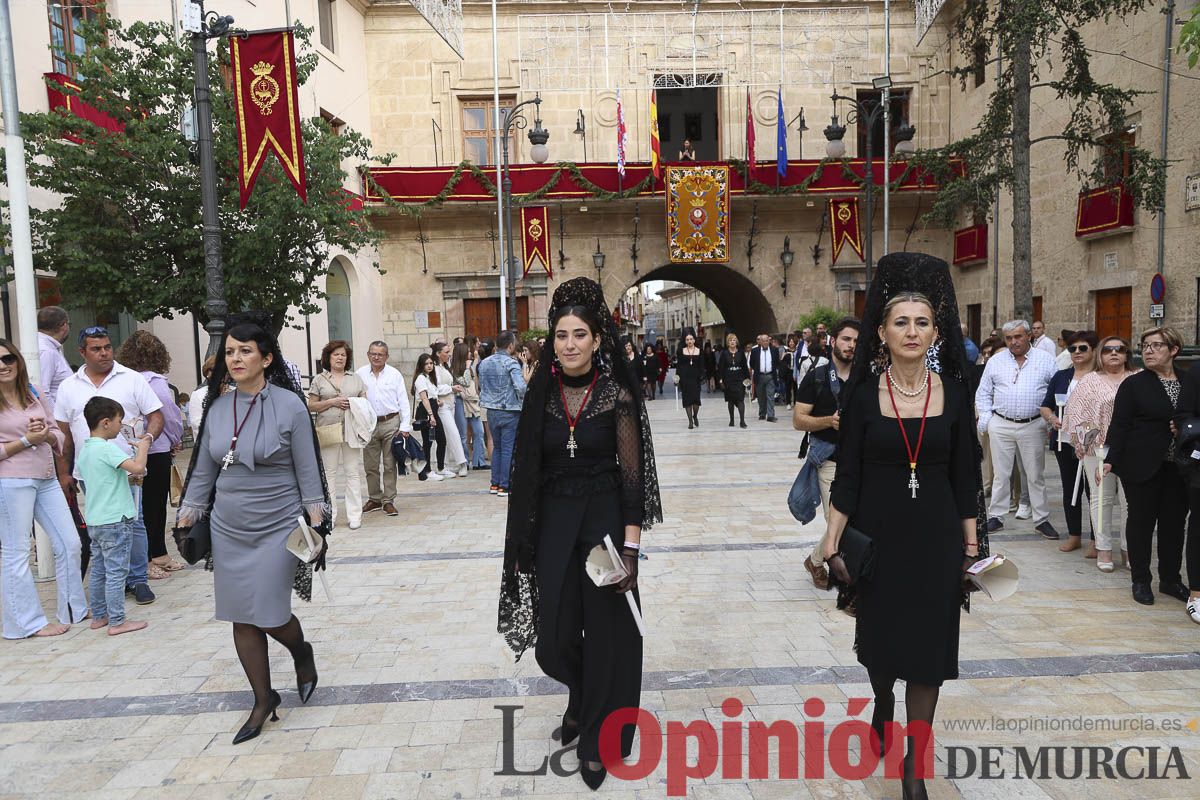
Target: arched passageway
746	310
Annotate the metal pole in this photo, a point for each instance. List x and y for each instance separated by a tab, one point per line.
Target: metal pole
214	272
887	126
1166	120
499	194
22	241
869	187
510	264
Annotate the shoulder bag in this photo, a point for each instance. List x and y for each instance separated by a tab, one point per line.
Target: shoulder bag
333	434
858	553
195	543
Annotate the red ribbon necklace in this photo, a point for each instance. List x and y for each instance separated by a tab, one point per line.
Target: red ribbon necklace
912	454
572	422
230	457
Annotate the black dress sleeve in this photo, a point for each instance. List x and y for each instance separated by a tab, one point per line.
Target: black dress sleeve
848	478
1189	396
1116	438
629	455
962	451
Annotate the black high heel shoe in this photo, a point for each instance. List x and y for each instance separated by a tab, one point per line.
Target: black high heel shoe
567	732
249	731
306	688
592	777
917	790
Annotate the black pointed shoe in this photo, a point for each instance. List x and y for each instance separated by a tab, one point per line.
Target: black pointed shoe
249	731
593	778
306	688
567	732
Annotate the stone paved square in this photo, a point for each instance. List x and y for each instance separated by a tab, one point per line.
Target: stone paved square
412	669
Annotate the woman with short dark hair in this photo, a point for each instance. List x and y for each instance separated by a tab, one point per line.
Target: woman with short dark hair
329	397
1141	450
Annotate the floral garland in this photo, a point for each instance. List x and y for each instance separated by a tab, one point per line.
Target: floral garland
752	184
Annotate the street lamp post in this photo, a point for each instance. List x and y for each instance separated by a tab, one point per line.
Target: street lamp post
538	138
598	263
212	26
786	257
836	148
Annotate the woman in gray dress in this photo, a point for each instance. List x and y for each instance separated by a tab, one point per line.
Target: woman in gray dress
255	469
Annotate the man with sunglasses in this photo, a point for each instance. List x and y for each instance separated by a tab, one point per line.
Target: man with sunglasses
102	376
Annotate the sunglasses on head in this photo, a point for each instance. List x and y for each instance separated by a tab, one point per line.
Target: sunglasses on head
94	332
8	359
1079	348
1114	348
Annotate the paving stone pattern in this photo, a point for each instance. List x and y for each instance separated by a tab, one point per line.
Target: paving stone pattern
412	669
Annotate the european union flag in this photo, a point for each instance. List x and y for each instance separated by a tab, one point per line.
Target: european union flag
781	158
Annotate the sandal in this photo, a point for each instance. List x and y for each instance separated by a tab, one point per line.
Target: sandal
170	565
156	573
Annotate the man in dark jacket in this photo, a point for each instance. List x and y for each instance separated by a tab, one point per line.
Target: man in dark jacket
764	364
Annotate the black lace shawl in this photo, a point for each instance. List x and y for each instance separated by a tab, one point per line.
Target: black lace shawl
898	273
517	617
276	374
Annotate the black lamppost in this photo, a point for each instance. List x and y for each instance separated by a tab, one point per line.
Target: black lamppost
212	26
859	113
538	138
786	256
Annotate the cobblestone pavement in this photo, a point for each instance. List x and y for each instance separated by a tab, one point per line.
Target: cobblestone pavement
412	669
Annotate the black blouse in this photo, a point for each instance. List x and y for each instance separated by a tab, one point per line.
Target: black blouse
608	446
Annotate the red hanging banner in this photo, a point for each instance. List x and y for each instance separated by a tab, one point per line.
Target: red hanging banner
535	237
267	108
843	226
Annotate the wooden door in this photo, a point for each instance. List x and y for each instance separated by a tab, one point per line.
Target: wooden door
860	303
974	321
481	318
1037	311
1114	312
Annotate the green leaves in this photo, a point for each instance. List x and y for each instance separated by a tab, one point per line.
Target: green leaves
126	234
1189	38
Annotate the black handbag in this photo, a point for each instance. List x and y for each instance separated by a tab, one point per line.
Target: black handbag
194	543
858	553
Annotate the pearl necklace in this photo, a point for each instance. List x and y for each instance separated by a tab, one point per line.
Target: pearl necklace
920	391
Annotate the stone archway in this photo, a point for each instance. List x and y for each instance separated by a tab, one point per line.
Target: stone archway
746	310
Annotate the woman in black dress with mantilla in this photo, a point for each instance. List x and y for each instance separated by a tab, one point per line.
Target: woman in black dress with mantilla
689	366
734	375
908	478
583	468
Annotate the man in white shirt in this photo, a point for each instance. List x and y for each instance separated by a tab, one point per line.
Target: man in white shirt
1008	402
102	376
1041	341
53	328
764	366
389	398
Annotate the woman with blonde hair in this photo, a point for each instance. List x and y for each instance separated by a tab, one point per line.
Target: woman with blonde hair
735	374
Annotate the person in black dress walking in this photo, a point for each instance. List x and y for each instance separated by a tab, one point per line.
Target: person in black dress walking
648	371
583	469
908	477
689	366
635	362
710	366
735	375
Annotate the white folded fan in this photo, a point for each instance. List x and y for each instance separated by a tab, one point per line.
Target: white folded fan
604	567
996	576
304	545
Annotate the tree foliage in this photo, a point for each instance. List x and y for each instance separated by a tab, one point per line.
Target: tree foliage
819	315
126	233
1189	38
1052	30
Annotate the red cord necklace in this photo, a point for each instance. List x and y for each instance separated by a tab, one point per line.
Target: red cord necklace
572	422
912	454
231	456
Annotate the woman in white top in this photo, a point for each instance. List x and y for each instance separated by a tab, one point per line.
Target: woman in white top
447	390
426	417
195	409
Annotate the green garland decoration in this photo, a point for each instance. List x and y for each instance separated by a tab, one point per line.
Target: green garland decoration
752	184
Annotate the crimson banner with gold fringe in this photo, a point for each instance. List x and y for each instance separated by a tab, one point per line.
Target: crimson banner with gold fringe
843	226
698	214
535	238
267	107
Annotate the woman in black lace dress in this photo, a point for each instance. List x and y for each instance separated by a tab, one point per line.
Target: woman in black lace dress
583	469
689	366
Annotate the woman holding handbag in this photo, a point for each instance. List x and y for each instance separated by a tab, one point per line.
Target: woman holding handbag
583	469
907	487
329	398
735	377
426	418
255	469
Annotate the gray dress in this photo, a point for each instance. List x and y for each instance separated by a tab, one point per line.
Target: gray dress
257	501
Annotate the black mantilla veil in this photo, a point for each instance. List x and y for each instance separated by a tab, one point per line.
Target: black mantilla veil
518	610
276	374
898	273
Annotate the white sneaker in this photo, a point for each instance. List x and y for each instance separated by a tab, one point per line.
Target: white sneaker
462	471
1193	609
355	526
448	474
1024	512
435	476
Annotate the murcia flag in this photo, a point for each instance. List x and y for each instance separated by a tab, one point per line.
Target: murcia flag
622	137
266	107
655	144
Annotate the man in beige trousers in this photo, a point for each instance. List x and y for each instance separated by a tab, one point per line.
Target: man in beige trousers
389	398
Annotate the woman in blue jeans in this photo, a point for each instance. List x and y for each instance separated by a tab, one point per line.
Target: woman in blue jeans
466	405
29	490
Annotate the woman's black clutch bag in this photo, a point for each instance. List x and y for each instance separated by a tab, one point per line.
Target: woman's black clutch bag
858	552
194	543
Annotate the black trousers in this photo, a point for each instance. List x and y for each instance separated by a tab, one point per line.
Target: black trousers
1193	541
429	435
156	488
1068	465
587	638
1160	502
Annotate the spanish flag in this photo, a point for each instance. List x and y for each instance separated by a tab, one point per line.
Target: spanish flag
655	144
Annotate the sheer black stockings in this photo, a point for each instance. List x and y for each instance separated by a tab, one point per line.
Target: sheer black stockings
921	703
250	641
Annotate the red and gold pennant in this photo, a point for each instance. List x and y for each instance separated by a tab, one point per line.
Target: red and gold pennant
843	225
267	107
535	237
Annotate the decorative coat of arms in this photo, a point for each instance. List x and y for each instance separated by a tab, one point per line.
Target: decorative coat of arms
698	214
